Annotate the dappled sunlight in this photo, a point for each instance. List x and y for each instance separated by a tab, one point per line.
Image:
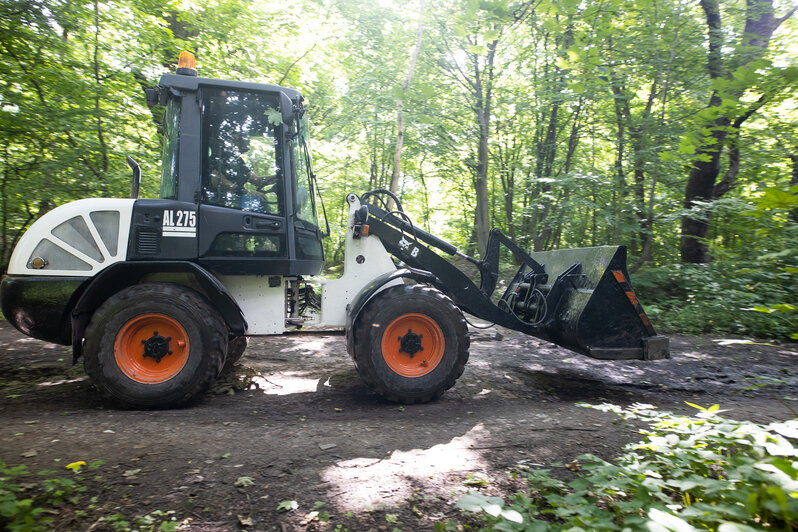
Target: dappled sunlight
311	345
693	355
288	383
38	343
61	381
732	341
368	483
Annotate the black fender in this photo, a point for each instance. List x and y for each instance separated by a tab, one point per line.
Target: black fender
370	290
124	274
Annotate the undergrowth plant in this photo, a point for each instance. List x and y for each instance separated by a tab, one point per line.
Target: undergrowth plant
29	502
24	504
756	297
700	472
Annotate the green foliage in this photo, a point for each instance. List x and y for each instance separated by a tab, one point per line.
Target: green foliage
28	503
597	112
155	521
748	298
287	506
690	472
23	504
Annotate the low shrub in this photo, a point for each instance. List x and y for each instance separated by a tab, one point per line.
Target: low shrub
757	298
691	472
24	504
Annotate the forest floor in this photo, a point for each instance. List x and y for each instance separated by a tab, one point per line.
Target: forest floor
311	432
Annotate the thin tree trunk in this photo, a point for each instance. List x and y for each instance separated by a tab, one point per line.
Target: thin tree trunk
484	95
648	245
400	129
794	179
97	96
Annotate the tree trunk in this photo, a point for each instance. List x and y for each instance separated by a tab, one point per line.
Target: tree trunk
400	129
701	188
484	95
794	179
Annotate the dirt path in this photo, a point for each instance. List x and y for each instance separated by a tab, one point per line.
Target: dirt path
313	433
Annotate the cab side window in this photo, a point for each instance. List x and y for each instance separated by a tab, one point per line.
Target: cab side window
242	158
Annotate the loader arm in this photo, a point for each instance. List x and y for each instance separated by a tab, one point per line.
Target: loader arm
580	299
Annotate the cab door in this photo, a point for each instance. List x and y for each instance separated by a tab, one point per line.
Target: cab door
242	215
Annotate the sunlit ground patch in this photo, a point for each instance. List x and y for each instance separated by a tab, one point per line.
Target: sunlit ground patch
61	381
367	483
288	383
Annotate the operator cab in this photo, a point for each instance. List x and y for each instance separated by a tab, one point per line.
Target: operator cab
237	174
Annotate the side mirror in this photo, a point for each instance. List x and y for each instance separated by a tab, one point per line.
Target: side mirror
287	109
152	96
134	186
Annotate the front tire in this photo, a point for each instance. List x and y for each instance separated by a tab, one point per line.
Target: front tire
236	346
155	345
410	343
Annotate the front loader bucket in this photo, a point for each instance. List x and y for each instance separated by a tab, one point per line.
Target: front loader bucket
590	305
578	298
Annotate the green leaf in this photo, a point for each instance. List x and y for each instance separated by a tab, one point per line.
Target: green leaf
274	116
512	515
427	90
477	49
736	527
663	521
790	74
287	506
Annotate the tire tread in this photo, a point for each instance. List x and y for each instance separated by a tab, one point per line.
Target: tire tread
362	350
208	319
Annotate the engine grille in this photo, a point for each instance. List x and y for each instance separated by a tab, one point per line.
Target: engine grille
148	242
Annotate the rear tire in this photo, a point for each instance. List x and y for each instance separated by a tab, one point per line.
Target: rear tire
410	343
155	345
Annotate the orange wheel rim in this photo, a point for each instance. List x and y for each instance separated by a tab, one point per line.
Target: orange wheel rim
151	348
413	345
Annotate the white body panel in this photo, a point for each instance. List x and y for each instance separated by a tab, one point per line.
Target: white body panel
78	239
263	306
338	294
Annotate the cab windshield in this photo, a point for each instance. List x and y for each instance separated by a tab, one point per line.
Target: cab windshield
305	198
171	145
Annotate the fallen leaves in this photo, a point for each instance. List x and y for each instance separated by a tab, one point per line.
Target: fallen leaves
287	506
243	482
75	466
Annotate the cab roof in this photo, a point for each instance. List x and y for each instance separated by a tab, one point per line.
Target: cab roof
192	83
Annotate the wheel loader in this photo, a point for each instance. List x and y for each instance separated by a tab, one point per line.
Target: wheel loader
157	295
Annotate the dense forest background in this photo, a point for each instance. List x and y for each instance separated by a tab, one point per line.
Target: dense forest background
664	125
